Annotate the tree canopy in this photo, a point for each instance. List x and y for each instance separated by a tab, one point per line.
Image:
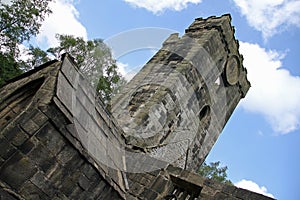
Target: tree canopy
94	60
215	172
20	20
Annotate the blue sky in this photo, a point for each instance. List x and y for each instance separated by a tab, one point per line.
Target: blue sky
261	142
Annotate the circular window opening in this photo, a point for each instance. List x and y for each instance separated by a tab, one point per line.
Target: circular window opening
232	70
205	116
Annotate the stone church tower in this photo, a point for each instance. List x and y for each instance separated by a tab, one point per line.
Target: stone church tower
177	105
58	141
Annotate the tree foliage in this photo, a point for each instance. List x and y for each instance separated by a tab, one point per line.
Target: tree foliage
36	57
19	20
215	172
94	60
8	68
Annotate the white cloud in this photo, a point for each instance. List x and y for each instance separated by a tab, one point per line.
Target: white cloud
127	72
270	16
121	68
63	20
8	2
24	53
275	93
252	186
158	6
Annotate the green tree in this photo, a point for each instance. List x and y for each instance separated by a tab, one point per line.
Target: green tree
36	57
215	172
95	61
8	68
19	21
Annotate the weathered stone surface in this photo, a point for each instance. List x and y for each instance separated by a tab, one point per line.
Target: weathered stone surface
41	181
31	191
84	182
6	149
176	106
30	127
228	189
149	194
38	159
42	157
17	170
160	185
57	141
16	136
52	140
5	195
66	155
27	146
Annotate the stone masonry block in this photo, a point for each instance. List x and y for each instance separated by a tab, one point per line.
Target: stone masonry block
241	193
6	195
30	144
38	117
32	192
16	136
1	161
40	180
256	196
213	184
222	196
60	196
65	92
90	172
136	188
42	157
208	191
6	149
53	112
76	192
144	181
66	154
229	189
69	71
84	182
161	185
51	138
86	195
18	169
31	121
149	194
57	175
30	127
107	193
75	163
98	187
67	185
174	170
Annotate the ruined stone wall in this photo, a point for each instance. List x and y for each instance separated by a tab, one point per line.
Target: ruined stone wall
40	155
175	183
57	140
177	105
